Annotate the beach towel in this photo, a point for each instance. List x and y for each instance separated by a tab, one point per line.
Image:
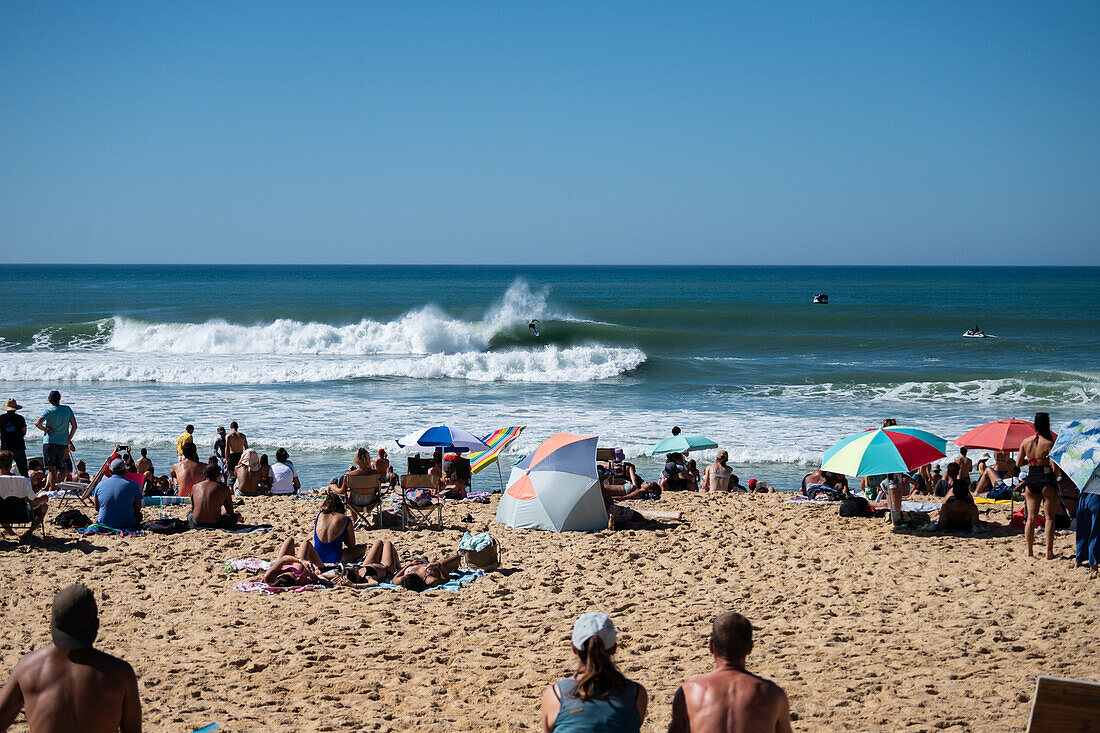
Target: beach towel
103	529
799	499
241	528
256	586
479	497
459	579
997	502
920	506
251	564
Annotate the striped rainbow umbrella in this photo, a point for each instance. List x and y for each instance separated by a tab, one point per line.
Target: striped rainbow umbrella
884	450
496	442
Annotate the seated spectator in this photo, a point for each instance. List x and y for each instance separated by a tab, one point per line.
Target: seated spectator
117	499
735	485
13	485
598	696
958	511
80	474
68	685
284	476
187	472
730	698
760	487
716	476
248	474
212	501
945	485
453	486
361	467
334	533
675	476
37	474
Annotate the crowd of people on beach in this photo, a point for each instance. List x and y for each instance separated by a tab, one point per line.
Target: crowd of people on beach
70	685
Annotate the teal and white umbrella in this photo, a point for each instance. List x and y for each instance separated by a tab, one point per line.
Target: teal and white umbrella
681	444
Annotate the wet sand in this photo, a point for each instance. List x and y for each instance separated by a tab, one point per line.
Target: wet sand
866	629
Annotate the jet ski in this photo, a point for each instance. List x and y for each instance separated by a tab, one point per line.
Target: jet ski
822	298
977	333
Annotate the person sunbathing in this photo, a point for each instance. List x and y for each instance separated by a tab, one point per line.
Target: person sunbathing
958	511
212	501
419	576
648	490
304	567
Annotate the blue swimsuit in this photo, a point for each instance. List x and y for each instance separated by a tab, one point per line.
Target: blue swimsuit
332	552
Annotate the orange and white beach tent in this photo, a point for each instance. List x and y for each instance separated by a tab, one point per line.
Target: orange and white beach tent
556	488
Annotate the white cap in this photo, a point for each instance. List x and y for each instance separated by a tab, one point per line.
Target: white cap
594	624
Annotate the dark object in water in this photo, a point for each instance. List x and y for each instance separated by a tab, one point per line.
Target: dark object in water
822	298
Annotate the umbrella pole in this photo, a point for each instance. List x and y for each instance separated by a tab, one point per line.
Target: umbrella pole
500	475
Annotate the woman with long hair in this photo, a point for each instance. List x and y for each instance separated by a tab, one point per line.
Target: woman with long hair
598	697
361	467
1041	484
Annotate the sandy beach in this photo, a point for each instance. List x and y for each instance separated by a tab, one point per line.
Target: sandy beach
866	629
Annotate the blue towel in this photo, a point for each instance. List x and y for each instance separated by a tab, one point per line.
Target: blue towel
459	579
241	529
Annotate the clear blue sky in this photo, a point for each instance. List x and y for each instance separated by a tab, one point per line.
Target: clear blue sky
517	132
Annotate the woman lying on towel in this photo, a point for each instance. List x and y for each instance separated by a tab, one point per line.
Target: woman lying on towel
420	576
305	568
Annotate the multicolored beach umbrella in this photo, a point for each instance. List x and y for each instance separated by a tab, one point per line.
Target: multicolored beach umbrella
681	444
1002	435
1077	451
556	488
884	450
442	436
496	441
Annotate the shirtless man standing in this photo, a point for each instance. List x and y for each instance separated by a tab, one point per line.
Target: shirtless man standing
965	465
70	686
235	445
212	501
730	699
144	464
188	472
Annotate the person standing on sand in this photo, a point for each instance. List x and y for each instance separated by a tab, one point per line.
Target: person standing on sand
235	444
144	465
1040	486
219	448
730	698
58	423
13	431
69	685
187	436
965	464
598	697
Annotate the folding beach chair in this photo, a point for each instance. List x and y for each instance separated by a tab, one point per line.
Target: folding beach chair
1061	705
416	514
16	513
364	500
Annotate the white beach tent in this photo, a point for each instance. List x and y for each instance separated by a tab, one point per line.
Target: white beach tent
556	488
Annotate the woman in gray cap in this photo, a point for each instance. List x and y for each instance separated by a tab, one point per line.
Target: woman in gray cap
598	697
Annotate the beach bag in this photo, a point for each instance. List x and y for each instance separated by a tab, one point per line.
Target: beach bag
166	526
856	506
487	558
71	519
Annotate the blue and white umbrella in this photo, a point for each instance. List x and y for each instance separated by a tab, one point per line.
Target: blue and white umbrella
1077	451
442	436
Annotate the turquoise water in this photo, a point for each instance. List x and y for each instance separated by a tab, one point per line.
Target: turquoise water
321	360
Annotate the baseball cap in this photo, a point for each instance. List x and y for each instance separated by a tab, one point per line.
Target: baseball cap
118	466
74	623
592	624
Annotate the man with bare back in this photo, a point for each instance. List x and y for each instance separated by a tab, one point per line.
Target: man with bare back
188	472
730	699
235	444
68	685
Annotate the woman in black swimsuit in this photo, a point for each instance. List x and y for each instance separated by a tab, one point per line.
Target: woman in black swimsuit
1040	486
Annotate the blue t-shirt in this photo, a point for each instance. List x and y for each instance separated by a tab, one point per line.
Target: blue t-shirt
116	497
57	419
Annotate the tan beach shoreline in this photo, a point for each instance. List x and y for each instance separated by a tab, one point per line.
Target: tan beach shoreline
865	629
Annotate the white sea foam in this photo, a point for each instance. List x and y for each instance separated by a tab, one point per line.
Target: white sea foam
547	364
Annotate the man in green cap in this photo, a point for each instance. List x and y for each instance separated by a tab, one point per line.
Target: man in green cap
68	685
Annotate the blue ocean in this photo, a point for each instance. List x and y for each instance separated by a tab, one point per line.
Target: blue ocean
322	360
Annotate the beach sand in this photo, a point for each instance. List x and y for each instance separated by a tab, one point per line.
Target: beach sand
866	629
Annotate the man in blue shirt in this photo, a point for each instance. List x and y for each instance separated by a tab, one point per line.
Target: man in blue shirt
117	499
59	425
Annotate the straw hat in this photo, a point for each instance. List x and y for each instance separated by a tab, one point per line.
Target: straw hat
11	405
